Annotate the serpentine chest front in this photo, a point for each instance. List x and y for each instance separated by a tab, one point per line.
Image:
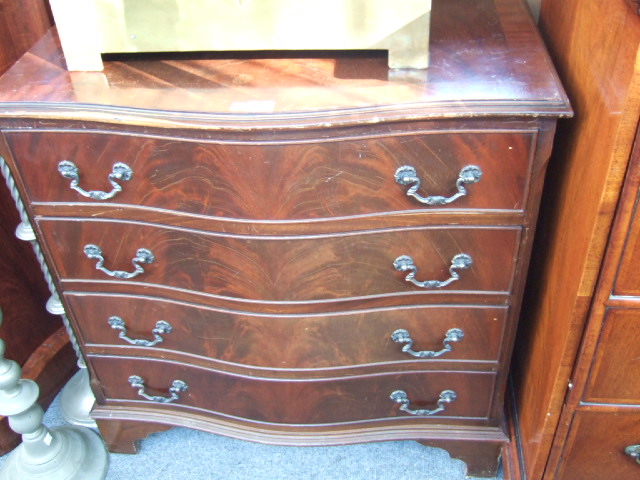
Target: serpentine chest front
294	250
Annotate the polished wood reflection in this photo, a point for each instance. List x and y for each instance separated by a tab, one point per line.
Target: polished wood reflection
485	59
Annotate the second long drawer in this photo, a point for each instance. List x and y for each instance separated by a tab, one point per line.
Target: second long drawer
289	269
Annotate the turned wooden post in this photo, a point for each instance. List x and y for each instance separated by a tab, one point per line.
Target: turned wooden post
69	453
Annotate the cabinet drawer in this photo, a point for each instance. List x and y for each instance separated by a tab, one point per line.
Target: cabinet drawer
290	268
617	359
627	282
274	181
309	402
292	342
595	449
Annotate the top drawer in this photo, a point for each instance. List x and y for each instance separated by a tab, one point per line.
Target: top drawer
265	180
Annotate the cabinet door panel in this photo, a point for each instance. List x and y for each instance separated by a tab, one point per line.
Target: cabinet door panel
613	377
595	447
628	277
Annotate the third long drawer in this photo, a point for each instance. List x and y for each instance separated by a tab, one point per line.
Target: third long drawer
450	336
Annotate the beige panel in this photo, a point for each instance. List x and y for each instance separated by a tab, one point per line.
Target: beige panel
90	27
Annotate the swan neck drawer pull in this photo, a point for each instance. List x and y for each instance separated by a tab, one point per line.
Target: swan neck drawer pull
162	328
634	452
404	263
403	336
407	175
400	396
120	172
177	387
143	255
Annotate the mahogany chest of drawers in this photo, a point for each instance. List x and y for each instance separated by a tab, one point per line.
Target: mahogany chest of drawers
294	250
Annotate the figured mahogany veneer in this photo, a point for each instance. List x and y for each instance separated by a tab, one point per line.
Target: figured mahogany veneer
264	187
314	178
306	342
321	401
286	269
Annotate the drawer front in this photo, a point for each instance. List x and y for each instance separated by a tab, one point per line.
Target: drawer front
289	341
613	377
326	401
275	181
627	281
595	449
288	269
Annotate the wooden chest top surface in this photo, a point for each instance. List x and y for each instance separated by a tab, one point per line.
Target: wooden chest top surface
486	59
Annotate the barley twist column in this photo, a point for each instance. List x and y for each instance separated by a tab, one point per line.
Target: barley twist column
77	399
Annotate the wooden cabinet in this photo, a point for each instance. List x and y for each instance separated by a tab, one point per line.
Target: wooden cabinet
295	250
576	353
602	410
596	446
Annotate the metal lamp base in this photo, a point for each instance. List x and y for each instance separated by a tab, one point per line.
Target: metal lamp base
80	455
77	399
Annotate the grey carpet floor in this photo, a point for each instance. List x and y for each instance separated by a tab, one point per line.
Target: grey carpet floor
181	453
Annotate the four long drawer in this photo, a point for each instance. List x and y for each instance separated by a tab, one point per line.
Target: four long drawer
465	171
269	180
326	401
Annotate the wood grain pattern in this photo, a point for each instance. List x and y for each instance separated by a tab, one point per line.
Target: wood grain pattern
21	25
286	269
131	413
292	308
627	281
486	59
616	356
316	248
318	402
595	450
604	367
595	48
264	180
291	342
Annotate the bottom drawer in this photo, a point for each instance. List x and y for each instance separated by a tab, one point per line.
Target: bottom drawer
595	449
325	401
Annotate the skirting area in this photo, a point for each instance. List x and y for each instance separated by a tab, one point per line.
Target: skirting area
188	454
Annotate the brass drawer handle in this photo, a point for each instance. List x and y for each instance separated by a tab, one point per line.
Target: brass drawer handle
400	396
177	387
404	263
407	175
403	336
142	256
120	172
634	452
162	328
